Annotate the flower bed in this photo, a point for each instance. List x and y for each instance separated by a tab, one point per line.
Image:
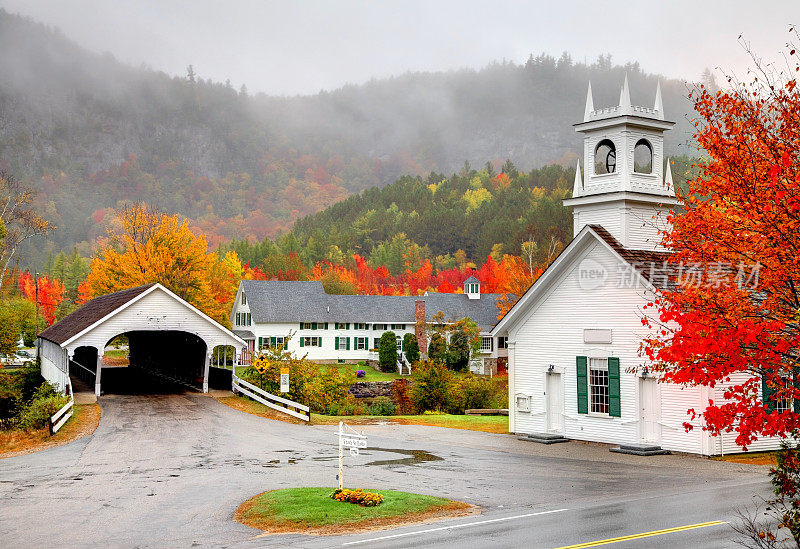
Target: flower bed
359	497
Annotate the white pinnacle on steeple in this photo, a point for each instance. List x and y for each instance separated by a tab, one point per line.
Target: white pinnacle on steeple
589	104
577	188
668	178
659	104
625	97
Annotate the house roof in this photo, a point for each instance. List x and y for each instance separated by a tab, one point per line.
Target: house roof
471	280
653	266
292	301
245	334
94	310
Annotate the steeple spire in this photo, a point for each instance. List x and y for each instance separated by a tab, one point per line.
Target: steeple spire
625	97
577	188
668	177
589	103
659	104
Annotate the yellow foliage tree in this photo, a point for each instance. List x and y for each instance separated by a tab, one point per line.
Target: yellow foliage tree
151	246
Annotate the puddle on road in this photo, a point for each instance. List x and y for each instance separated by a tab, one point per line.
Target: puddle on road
414	457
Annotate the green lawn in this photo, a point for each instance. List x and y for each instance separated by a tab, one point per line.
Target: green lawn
300	509
117	353
487	424
371	373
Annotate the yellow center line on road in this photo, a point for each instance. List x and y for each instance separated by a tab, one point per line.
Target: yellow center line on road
643	535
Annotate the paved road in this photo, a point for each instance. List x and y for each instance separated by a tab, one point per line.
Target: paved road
170	470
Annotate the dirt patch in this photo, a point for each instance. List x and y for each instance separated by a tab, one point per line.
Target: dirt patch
83	423
453	509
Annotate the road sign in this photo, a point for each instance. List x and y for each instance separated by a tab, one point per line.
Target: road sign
352	440
284	380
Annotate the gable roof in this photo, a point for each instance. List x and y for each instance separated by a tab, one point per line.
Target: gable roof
273	301
93	311
651	266
472	279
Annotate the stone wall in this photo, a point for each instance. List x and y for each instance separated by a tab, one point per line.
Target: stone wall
371	389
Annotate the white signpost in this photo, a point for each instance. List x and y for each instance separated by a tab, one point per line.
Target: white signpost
352	440
284	380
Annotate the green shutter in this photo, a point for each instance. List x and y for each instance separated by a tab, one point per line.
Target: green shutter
583	385
336	343
346	325
302	342
614	405
260	343
313	325
301	325
326	325
767	394
347	340
796	401
273	342
319	342
491	345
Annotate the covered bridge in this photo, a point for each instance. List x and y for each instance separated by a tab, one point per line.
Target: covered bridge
167	337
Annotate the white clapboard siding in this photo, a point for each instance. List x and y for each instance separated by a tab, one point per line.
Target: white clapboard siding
155	311
607	215
642	227
53	363
675	403
552	333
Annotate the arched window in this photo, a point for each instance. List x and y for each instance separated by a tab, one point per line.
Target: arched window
605	157
643	157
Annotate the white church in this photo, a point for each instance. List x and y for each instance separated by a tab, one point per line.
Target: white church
574	366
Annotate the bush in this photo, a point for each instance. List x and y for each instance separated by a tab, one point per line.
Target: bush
17	388
382	406
359	497
331	386
458	352
411	347
401	389
361	373
45	402
470	391
387	352
431	390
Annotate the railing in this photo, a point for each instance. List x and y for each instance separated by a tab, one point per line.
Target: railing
403	366
84	373
275	402
58	419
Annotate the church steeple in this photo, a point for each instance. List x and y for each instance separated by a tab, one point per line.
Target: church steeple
624	184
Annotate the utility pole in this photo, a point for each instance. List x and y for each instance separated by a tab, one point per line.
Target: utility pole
36	285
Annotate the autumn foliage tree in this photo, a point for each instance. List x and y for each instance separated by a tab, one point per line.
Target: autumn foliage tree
50	294
735	322
151	246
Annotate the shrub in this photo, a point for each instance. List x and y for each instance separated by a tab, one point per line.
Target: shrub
458	351
411	347
401	389
431	390
17	388
361	373
330	386
387	352
382	406
359	497
471	391
45	402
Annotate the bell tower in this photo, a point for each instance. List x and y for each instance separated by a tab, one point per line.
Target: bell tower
625	186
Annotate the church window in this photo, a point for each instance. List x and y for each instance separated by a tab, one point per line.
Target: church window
643	157
605	157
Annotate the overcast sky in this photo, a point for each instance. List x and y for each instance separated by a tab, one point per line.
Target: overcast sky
291	47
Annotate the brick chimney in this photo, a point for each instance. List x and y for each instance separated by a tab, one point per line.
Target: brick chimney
419	329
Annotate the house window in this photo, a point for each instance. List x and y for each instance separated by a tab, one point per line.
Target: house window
279	341
605	157
399	344
486	344
383	327
783	404
359	326
643	157
472	288
376	341
523	403
598	385
502	342
398	326
244	299
344	343
341	326
238	319
361	343
248	320
311	341
308	326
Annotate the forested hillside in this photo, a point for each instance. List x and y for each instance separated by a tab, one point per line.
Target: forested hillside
91	134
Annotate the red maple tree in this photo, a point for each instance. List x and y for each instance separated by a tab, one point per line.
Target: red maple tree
733	320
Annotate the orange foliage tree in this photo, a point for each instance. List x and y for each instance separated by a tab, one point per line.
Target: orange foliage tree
734	321
151	246
51	294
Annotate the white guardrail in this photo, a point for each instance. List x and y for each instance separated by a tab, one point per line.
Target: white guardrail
275	402
58	419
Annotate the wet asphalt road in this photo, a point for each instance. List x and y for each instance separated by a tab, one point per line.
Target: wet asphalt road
170	470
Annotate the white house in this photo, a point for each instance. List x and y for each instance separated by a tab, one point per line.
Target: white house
346	328
575	369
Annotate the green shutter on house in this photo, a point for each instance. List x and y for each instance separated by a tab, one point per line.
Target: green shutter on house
273	342
326	325
614	404
583	385
346	325
302	342
796	381
347	341
491	344
767	393
336	343
260	343
313	325
301	325
319	342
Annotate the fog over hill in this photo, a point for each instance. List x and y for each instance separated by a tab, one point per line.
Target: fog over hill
92	133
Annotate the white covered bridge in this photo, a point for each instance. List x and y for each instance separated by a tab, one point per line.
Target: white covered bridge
167	336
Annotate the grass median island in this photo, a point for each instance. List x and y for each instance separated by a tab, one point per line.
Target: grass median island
487	424
313	511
